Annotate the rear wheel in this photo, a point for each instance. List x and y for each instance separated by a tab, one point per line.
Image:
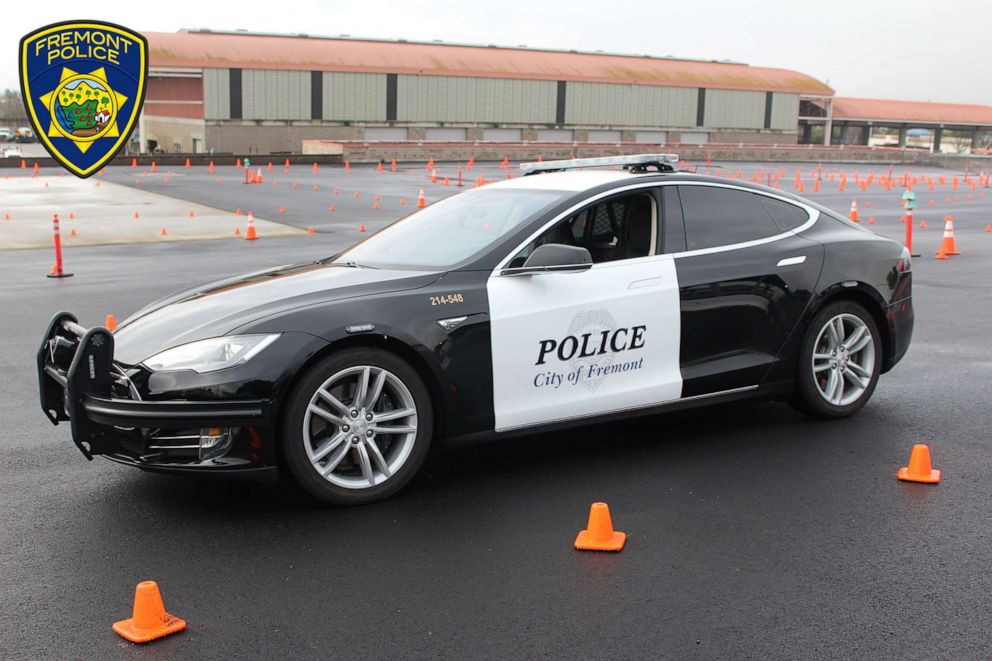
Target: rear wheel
357	427
840	360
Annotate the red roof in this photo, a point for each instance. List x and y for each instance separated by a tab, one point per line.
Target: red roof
254	51
924	112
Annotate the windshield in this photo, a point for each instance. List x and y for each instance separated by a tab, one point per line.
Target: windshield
452	230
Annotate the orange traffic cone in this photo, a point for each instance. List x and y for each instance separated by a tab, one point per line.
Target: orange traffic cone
919	469
988	228
148	618
948	246
212	168
110	323
421	200
871	220
314	167
250	234
164	232
378	168
187	163
154	168
599	534
433	176
923	224
392	165
282	209
403	201
6	216
310	230
375	203
191	214
853	215
330	207
72	216
238	164
237	231
361	228
72	232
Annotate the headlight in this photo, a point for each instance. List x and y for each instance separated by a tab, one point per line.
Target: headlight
211	355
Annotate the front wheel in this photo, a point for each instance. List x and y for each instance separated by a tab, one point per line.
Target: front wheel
839	363
357	427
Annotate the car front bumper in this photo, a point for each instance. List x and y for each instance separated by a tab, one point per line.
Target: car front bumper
79	383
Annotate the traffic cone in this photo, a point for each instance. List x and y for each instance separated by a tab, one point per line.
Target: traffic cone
599	534
853	214
871	220
392	165
433	176
238	164
316	188
164	232
403	201
282	209
250	234
6	216
314	167
258	177
375	203
446	182
361	228
187	163
330	207
923	224
212	168
378	168
421	200
72	232
110	323
148	619
310	230
191	214
948	246
134	162
988	228
154	167
237	212
136	214
72	216
237	231
919	468
286	164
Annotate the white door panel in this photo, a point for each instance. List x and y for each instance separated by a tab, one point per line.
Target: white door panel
568	345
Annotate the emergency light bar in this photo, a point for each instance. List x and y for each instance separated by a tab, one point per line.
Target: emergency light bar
633	162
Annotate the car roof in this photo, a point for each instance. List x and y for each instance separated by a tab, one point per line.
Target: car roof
569	180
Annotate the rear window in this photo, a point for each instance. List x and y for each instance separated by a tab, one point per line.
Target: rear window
716	216
786	216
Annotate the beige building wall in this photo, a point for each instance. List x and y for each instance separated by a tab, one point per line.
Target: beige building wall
734	109
174	134
455	99
785	111
354	96
275	94
607	104
217	93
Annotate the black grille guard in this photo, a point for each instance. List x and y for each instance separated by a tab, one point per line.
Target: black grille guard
83	394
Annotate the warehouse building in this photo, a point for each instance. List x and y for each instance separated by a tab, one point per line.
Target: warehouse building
256	93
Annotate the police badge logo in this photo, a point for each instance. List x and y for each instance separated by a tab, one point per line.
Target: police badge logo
83	84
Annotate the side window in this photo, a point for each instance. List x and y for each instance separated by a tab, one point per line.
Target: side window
621	227
787	216
717	216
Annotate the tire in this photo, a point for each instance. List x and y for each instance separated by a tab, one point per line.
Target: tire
816	391
344	459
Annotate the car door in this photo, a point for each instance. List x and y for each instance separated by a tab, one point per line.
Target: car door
744	280
571	345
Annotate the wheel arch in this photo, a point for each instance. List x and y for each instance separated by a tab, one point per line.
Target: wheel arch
867	297
384	343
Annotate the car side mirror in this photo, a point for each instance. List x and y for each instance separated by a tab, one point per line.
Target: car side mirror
554	258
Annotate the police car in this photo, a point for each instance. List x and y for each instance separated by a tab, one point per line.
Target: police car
586	290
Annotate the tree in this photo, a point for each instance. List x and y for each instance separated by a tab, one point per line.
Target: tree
12	108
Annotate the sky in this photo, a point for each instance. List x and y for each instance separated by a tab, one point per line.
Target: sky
907	49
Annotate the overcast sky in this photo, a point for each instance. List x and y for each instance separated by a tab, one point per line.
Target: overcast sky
895	49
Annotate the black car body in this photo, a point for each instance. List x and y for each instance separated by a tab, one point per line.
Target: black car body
711	300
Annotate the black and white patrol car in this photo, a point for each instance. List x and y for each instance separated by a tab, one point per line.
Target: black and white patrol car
570	295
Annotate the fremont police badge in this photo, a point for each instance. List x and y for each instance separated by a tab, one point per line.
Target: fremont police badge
83	83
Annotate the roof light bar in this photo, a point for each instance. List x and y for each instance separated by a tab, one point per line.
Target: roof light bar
633	162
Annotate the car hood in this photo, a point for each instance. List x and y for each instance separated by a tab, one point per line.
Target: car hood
220	307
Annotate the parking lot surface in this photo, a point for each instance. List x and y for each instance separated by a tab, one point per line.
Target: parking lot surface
753	532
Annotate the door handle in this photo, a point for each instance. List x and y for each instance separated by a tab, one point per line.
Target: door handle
647	282
791	261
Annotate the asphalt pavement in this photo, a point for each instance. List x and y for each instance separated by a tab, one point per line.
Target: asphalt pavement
753	532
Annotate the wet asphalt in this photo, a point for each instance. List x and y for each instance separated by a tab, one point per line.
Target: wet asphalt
753	532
